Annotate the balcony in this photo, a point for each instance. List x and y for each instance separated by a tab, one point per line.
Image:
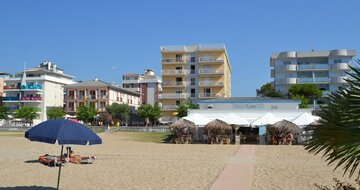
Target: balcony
210	83
70	109
211	71
103	96
173	72
169	107
272	73
173	83
91	97
70	97
31	99
208	95
340	66
174	96
31	87
10	99
313	80
173	61
338	80
211	60
288	68
313	67
11	87
167	119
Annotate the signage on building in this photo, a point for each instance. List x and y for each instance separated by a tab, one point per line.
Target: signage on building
248	106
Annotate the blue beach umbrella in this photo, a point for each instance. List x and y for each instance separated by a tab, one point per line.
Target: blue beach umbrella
63	132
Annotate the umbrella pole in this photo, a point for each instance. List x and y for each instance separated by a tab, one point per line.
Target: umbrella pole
62	148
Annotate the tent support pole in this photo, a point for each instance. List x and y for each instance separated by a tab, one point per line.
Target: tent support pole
58	181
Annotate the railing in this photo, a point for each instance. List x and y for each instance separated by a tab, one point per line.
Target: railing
174	72
31	98
70	109
321	79
103	97
174	96
172	60
211	60
6	87
210	71
157	129
340	66
91	97
313	80
206	95
338	79
33	86
10	98
210	83
165	119
81	97
313	66
173	83
305	80
70	97
169	107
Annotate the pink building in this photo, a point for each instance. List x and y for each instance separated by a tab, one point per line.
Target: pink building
98	94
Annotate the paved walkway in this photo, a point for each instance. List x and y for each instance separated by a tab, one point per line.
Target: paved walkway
238	173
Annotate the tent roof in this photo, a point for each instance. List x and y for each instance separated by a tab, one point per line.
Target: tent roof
266	119
305	119
197	119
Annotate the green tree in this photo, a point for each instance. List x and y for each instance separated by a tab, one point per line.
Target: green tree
337	137
182	110
149	113
27	113
3	112
267	90
305	93
86	113
56	113
119	111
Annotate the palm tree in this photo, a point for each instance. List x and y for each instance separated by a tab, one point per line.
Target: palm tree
337	137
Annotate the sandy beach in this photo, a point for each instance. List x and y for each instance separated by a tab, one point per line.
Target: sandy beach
126	164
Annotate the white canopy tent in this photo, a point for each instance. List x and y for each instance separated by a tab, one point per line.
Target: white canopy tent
305	119
233	119
197	119
265	119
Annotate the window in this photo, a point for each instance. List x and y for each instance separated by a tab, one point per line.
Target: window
337	60
192	81
178	57
192	59
177	102
192	92
192	69
287	62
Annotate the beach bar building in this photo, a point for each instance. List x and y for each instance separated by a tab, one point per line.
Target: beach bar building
252	114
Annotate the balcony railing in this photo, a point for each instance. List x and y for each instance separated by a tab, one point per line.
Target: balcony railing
211	60
211	71
32	87
8	87
313	66
173	72
206	95
173	83
31	98
169	107
340	66
11	98
313	80
174	96
173	60
103	97
338	79
210	83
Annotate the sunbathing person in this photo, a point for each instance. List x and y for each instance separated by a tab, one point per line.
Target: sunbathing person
77	159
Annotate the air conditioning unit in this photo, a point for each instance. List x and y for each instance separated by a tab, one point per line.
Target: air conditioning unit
210	106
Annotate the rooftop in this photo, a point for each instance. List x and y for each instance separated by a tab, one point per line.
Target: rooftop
193	48
313	53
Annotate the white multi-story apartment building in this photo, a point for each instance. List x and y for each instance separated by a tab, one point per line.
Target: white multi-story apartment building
41	87
98	94
147	84
326	69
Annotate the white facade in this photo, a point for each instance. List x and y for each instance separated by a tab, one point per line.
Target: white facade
41	87
326	69
147	84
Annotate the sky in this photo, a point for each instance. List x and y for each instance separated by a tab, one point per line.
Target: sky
105	39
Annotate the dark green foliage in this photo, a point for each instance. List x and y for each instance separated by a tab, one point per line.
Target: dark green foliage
305	93
3	112
182	111
149	112
267	90
86	113
56	113
338	135
105	117
27	113
119	112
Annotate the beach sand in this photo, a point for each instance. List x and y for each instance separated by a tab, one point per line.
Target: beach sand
125	164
